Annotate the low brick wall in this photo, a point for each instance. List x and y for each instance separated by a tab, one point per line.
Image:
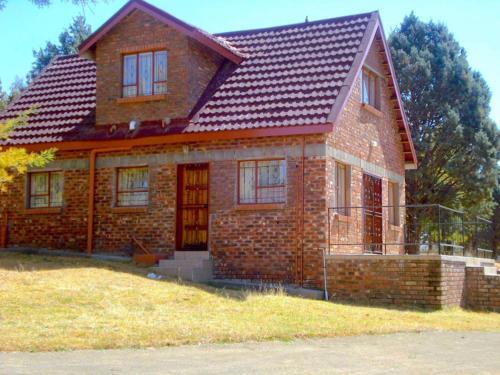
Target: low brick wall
397	280
482	291
431	281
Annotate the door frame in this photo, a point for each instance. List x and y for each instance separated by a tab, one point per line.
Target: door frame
371	175
178	204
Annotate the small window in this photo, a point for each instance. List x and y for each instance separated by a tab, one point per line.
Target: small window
342	188
370	91
262	181
393	199
145	74
132	187
45	189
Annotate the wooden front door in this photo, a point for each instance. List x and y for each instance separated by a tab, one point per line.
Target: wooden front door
372	202
192	207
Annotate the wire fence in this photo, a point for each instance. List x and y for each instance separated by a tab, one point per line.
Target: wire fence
409	229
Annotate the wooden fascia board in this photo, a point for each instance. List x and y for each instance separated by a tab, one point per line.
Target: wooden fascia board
183	138
374	26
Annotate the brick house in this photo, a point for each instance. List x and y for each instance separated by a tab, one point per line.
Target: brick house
233	145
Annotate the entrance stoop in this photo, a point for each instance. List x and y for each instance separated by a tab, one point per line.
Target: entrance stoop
188	265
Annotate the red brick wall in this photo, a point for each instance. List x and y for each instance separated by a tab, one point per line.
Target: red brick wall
371	137
482	291
245	243
190	68
410	281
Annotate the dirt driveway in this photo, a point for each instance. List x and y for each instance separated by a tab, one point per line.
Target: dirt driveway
405	353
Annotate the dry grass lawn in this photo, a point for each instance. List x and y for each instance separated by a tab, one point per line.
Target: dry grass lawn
51	303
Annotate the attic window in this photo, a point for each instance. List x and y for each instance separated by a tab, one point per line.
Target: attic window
370	89
144	74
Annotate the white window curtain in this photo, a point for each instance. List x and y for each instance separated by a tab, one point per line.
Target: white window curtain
160	74
129	75
46	189
145	73
247	182
133	187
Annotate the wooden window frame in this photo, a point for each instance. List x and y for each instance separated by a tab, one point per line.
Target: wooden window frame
49	188
347	186
257	188
118	191
393	187
373	102
153	81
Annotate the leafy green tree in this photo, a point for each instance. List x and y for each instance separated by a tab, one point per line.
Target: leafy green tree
69	40
16	160
447	106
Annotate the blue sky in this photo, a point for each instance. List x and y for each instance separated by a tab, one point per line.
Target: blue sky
477	28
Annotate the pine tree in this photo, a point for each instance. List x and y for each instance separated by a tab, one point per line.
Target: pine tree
69	40
447	106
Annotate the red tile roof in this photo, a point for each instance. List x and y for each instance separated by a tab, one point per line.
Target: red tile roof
294	75
63	99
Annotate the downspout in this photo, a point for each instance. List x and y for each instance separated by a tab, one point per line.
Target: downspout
90	212
303	235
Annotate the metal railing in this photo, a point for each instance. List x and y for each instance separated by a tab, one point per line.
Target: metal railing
408	229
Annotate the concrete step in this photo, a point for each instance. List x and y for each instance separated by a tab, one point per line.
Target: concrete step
181	255
187	271
490	271
181	263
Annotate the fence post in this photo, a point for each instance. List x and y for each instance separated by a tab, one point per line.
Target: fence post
463	235
439	229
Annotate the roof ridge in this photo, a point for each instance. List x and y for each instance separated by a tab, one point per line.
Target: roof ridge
280	27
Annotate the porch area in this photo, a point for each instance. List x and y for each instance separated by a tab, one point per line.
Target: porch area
438	257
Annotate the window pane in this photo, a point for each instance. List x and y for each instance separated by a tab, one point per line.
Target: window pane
129	70
132	187
39	183
271	172
145	73
341	188
56	189
160	66
247	182
132	179
161	88
365	88
39	201
129	91
372	90
271	195
133	199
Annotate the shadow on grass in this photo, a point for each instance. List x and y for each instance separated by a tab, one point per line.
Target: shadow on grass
32	261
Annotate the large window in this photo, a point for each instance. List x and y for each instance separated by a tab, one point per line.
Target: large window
132	187
393	200
342	182
262	181
45	189
370	90
145	74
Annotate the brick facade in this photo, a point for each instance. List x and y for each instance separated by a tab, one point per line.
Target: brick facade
412	280
482	291
284	243
190	68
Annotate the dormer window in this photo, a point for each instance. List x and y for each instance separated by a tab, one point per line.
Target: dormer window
144	74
